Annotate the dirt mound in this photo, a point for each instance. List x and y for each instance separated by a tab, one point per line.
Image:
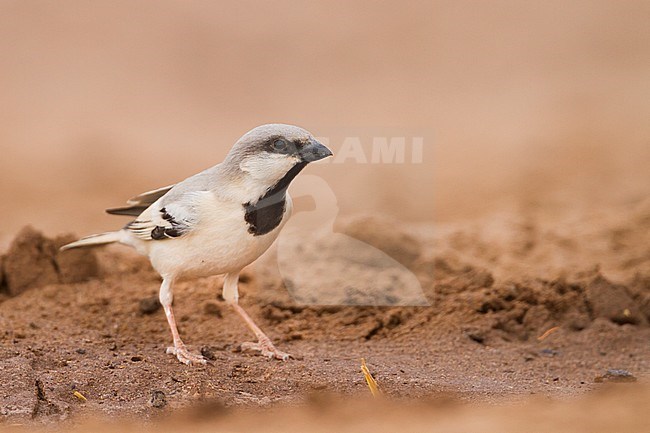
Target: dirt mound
470	299
528	308
463	292
34	261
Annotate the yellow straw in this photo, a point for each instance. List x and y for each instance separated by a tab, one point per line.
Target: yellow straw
80	396
372	383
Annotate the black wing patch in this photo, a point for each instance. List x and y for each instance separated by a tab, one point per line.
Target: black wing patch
169	227
176	229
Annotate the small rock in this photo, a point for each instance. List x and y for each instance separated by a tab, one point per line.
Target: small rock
212	308
136	358
81	351
149	305
612	302
616	376
158	399
549	352
208	353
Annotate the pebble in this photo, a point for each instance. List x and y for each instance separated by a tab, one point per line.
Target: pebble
149	305
549	352
616	376
208	353
158	399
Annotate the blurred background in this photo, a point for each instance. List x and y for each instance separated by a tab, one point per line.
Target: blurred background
543	104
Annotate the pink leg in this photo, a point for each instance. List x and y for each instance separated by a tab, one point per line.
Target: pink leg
263	345
179	349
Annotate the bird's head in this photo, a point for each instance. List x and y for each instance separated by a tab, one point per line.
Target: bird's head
270	153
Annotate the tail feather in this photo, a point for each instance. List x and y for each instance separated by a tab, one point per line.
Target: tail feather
93	240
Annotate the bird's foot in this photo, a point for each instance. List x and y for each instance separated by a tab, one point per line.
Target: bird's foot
265	348
185	356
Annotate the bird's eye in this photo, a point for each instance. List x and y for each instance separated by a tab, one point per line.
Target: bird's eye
279	145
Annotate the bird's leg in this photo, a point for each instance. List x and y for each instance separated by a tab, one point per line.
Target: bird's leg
264	345
166	298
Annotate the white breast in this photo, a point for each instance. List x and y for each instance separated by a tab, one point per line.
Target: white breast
219	243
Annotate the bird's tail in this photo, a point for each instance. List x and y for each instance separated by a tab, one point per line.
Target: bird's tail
94	240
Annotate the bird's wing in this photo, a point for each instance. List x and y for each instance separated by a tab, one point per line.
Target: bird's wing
150	196
139	203
166	219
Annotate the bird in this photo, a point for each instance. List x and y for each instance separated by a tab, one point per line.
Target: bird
218	221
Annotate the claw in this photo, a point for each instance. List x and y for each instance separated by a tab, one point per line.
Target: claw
266	349
185	356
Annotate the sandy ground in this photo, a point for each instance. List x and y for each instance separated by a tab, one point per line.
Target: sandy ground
97	330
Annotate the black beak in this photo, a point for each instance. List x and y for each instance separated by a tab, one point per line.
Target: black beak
314	151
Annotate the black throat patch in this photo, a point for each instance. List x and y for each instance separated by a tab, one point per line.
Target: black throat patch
266	214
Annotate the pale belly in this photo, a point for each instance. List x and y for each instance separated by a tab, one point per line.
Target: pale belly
220	244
